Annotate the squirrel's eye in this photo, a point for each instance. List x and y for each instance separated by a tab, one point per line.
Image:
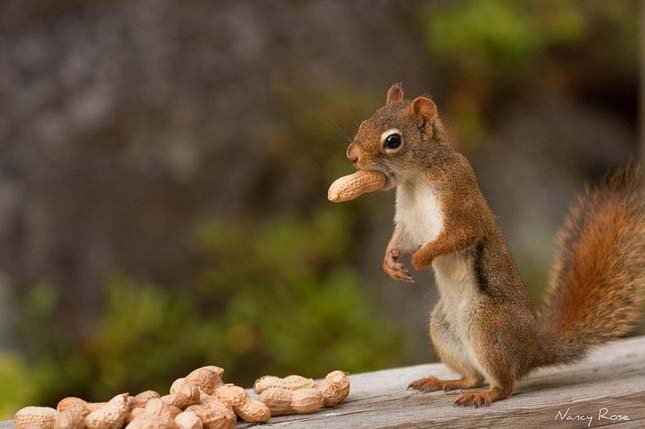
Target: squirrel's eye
391	140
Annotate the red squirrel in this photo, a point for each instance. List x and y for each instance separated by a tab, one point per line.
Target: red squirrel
483	326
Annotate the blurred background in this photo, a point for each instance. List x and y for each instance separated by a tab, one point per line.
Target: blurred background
164	169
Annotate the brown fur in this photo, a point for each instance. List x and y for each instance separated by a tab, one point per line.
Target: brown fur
483	326
596	283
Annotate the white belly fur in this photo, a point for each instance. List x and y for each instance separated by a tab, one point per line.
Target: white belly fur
419	216
457	284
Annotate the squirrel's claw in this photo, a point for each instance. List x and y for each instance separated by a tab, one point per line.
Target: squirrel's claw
394	269
400	273
476	399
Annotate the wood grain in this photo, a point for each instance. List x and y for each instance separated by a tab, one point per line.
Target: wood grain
612	377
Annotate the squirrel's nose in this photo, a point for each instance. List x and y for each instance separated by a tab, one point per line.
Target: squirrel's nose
352	154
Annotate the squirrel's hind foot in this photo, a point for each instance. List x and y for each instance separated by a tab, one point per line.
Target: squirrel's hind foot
480	399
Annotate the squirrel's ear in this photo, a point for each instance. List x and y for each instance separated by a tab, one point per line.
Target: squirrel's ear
394	94
425	108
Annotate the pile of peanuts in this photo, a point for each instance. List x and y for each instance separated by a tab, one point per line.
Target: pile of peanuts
201	400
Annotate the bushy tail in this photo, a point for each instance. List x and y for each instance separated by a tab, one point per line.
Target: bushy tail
598	280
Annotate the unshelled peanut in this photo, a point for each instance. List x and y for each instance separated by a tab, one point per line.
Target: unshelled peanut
249	410
110	416
283	401
334	388
188	420
352	186
41	417
290	382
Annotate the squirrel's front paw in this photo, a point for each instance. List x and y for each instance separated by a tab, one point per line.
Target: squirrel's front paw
420	260
394	268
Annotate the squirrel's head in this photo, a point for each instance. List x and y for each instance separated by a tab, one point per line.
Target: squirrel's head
400	138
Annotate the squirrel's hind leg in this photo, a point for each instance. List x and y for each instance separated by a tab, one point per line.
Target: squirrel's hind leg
503	355
451	353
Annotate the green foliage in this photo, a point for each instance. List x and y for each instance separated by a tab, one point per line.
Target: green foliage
16	384
490	49
500	36
301	307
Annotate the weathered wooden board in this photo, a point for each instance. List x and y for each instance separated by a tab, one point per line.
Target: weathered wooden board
612	378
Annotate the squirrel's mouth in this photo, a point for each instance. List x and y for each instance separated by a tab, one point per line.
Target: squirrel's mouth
390	176
391	181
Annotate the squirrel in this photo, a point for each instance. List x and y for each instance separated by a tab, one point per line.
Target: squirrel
484	326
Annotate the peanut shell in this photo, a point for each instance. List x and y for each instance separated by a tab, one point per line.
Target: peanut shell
247	409
152	422
214	414
209	400
69	402
231	394
352	186
71	418
305	401
110	416
282	401
188	420
185	395
174	411
176	384
278	400
134	413
206	378
216	369
334	388
140	400
158	407
41	417
291	382
253	411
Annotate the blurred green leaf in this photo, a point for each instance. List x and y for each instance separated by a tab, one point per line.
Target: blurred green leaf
501	36
16	384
